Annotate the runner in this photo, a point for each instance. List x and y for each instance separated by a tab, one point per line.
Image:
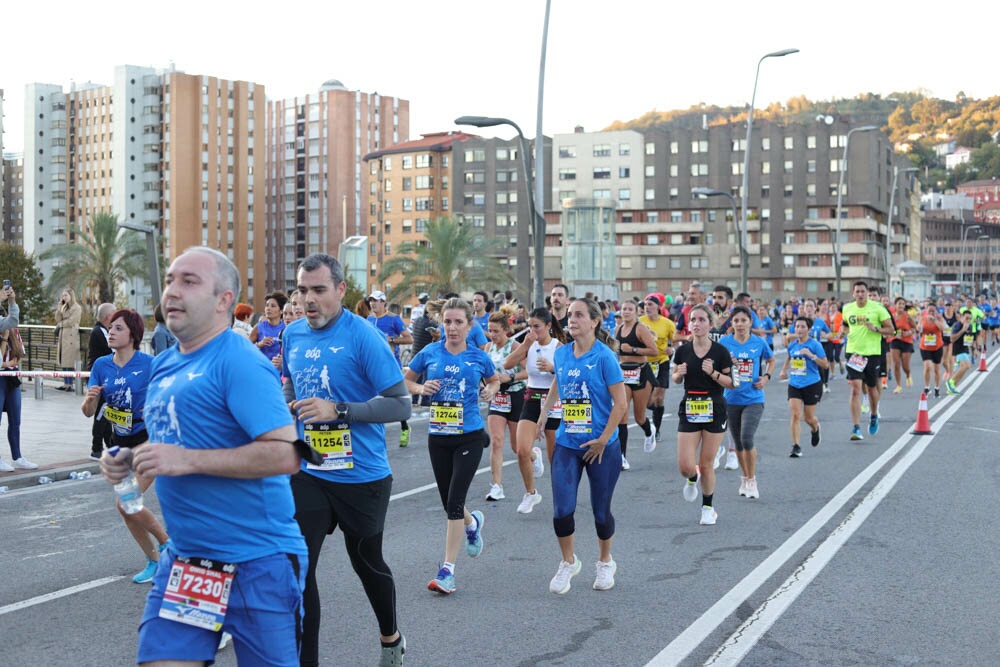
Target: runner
343	420
265	334
950	319
703	366
745	400
506	406
865	321
480	315
962	341
589	384
396	334
456	436
559	298
635	344
931	331
664	330
536	354
835	321
805	388
767	325
901	345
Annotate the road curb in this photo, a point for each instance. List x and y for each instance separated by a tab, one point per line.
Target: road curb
58	472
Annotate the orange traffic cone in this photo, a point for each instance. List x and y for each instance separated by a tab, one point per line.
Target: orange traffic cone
923	417
982	362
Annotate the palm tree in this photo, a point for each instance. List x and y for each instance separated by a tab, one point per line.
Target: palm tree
453	258
101	259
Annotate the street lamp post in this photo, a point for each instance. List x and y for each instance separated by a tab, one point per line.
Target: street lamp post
711	192
152	257
522	229
961	261
539	220
888	231
835	243
975	259
746	166
840	187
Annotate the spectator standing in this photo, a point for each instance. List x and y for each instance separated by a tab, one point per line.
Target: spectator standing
11	352
97	347
68	334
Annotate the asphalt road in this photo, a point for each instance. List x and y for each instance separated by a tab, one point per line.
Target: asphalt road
872	553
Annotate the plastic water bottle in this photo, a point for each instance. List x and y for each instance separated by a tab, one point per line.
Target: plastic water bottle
128	491
4	489
44	480
83	474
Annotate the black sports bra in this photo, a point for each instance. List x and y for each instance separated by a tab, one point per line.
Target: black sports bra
632	338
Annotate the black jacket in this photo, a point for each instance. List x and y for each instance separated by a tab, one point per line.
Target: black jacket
97	346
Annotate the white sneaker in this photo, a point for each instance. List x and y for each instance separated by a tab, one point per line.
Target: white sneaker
528	502
539	462
625	465
732	463
691	489
560	583
708	516
24	464
496	492
717	461
605	579
5	467
743	486
752	491
225	640
649	444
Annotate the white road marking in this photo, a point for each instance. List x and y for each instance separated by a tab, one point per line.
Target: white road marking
55	595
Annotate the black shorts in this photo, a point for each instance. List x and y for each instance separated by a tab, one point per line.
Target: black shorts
809	395
661	377
531	410
516	404
934	356
645	375
359	509
717	425
872	372
131	441
902	346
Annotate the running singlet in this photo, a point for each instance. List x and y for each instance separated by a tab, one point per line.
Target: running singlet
124	391
960	344
265	329
860	339
664	329
803	371
931	338
497	355
904	330
348	362
391	326
455	406
748	358
540	379
221	396
584	392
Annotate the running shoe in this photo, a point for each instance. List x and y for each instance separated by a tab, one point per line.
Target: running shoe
605	579
95	456
392	656
752	491
937	392
952	389
649	443
732	462
443	583
864	406
5	467
404	437
538	463
708	516
528	502
691	489
841	367
560	583
856	433
814	437
873	425
24	464
897	390
147	573
743	486
717	461
225	640
658	432
496	492
885	382
826	389
625	465
796	452
909	381
474	537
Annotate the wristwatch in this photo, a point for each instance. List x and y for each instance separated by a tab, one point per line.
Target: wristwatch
766	375
342	410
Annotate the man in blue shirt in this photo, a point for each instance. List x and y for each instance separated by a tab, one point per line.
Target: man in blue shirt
480	314
396	334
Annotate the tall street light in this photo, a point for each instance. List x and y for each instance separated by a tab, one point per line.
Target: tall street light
835	242
888	232
539	220
746	159
522	229
840	185
961	262
152	257
975	258
711	192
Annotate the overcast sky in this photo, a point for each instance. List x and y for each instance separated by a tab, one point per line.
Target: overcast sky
606	61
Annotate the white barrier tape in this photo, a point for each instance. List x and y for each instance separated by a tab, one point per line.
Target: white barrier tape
45	374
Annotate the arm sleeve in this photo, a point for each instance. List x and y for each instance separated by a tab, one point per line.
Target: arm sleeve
11	320
392	405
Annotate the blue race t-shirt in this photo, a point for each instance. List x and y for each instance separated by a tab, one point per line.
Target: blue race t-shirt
819	327
221	396
803	371
483	321
124	390
348	362
585	382
460	375
476	338
748	358
767	324
391	326
265	329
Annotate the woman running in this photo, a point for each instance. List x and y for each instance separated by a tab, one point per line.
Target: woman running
536	353
745	401
805	388
505	408
265	335
703	366
635	343
931	330
901	345
456	437
835	321
122	378
588	382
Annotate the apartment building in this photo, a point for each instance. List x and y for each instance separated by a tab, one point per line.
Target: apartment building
316	179
12	199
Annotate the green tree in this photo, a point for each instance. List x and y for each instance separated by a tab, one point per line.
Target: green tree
353	294
453	258
19	268
102	259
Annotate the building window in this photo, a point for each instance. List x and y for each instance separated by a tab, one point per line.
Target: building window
676	216
789	261
788	189
765	214
811	141
699	146
674	171
424	182
789	166
788	214
650	171
624	172
425	160
765	191
502	154
602	194
765	143
407	183
675	262
811	166
567	174
625	263
475	177
650	148
407	161
674	192
650	262
407	204
602	150
602	172
567	151
387	163
501	197
502	220
834	165
765	167
674	148
650	194
624	150
789	143
652	239
624	194
567	194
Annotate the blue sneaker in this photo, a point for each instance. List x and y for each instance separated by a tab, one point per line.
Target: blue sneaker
147	573
443	583
873	425
474	547
856	433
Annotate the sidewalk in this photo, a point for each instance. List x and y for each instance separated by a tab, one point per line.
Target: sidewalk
54	434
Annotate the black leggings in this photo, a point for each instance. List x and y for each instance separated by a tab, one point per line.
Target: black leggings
824	373
455	459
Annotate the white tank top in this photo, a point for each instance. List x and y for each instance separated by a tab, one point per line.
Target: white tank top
536	378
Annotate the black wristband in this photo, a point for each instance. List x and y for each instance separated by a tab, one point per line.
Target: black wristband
767	375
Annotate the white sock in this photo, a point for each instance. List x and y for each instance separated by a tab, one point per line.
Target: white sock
449	566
